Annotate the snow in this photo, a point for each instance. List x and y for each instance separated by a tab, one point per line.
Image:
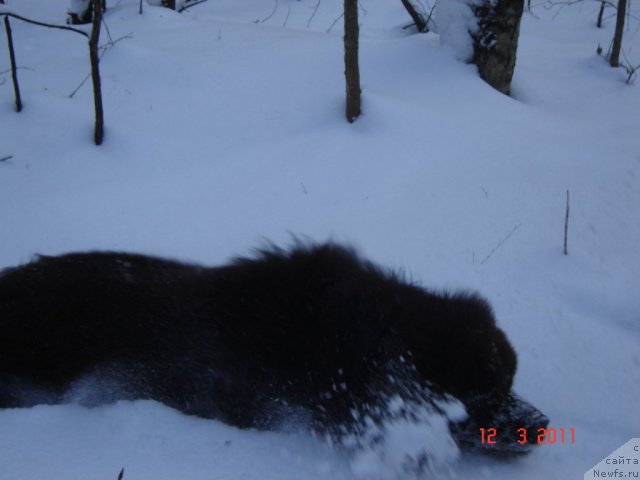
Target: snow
78	6
454	20
225	128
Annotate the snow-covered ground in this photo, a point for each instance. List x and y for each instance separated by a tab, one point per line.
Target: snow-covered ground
225	128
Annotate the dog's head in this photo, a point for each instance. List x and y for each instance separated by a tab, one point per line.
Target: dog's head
457	347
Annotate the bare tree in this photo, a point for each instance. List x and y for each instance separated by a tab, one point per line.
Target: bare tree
95	72
93	55
351	62
614	59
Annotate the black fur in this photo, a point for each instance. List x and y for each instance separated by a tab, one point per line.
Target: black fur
314	327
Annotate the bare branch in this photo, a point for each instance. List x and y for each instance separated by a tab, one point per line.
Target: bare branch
334	22
275	8
566	226
103	50
315	10
500	243
190	4
42	24
631	70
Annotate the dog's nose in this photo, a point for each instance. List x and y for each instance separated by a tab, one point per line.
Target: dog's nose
500	425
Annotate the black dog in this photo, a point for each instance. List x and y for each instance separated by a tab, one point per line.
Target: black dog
314	329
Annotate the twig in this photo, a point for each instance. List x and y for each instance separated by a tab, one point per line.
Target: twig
121	474
191	4
334	22
315	10
106	29
566	226
5	158
286	19
549	4
631	71
103	49
124	37
275	8
364	10
2	72
500	243
430	15
632	74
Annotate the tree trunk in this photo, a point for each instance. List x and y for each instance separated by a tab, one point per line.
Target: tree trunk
614	60
95	73
80	11
495	43
351	63
417	18
601	14
14	68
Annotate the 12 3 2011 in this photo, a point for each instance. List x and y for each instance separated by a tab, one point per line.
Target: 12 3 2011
541	436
